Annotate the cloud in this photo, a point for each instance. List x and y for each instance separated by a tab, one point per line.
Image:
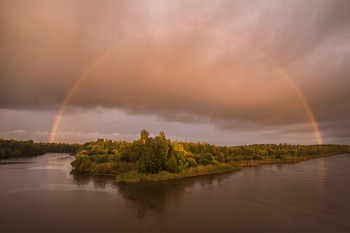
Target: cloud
221	62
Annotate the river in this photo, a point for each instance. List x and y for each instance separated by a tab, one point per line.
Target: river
40	194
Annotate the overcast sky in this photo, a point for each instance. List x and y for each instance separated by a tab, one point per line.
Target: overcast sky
225	72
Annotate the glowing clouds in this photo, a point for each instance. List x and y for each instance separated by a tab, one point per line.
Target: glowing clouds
164	76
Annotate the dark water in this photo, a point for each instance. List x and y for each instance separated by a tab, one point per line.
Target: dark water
40	195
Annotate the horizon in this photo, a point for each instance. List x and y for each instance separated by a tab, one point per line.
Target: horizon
153	135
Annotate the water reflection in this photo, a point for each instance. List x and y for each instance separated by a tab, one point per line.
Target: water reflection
275	197
7	163
148	198
99	182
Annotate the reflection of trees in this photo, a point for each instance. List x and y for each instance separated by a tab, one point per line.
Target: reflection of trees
149	197
97	181
9	163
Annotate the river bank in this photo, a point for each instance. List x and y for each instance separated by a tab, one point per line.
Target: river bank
132	177
158	158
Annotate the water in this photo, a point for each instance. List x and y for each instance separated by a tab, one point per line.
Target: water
40	194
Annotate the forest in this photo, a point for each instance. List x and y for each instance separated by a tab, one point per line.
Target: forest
13	148
159	158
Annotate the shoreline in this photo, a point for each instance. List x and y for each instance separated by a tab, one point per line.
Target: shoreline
133	177
164	175
158	158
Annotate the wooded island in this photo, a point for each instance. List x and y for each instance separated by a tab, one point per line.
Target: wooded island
158	158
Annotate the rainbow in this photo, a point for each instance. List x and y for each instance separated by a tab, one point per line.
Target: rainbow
256	50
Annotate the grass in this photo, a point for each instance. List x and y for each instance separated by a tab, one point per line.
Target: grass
209	169
284	159
194	171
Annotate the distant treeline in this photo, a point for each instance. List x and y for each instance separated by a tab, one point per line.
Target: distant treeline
159	155
13	148
149	155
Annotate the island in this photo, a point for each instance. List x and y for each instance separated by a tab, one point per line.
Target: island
159	158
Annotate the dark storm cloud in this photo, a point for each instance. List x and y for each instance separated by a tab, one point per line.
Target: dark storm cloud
214	61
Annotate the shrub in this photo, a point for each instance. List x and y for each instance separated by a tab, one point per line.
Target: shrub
215	163
205	158
172	164
192	162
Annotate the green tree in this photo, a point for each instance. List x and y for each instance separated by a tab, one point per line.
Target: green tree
172	164
144	136
205	158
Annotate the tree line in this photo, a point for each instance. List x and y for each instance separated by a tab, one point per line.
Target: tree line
153	155
13	148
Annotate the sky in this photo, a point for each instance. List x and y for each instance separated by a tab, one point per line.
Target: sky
227	72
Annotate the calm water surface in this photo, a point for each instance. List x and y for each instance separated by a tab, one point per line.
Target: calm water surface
40	194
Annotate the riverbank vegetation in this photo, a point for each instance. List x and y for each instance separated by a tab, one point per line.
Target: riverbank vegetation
158	158
13	148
